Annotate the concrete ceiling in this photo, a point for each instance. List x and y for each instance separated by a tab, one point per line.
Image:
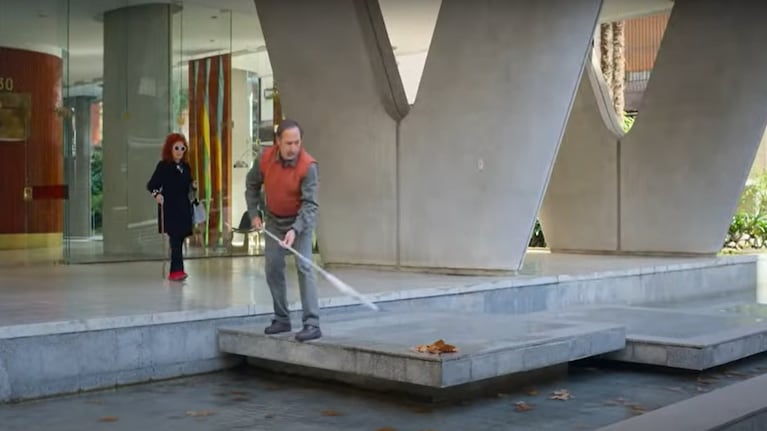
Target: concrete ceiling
50	25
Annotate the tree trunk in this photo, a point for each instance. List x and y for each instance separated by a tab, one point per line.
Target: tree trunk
606	54
619	67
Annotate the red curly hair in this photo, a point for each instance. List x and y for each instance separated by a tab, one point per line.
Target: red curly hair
167	148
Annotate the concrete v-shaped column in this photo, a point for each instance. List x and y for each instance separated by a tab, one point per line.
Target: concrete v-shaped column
457	184
580	209
478	147
345	90
681	169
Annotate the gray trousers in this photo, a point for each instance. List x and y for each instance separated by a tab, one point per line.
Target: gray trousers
277	281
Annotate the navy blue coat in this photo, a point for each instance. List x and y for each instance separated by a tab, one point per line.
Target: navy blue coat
174	181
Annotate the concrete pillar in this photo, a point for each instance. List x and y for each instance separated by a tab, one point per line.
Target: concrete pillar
137	117
78	167
682	167
349	112
455	184
580	209
479	144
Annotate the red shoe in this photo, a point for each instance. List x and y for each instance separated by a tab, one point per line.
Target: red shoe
177	276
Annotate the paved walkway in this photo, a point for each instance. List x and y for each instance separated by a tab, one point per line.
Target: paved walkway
33	294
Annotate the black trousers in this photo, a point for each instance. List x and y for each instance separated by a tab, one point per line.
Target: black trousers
176	256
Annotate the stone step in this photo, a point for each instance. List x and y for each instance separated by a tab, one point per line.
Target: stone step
382	346
686	339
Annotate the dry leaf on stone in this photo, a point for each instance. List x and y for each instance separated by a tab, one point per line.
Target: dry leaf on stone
108	419
437	348
522	406
561	395
200	413
331	413
636	409
532	392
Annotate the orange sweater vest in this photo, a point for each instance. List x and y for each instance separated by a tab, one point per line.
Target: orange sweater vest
282	184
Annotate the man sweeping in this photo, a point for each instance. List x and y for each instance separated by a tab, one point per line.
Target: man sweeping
290	179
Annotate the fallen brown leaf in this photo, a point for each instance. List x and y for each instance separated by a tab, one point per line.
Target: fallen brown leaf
561	395
705	380
636	409
437	348
109	419
532	392
200	413
522	406
331	413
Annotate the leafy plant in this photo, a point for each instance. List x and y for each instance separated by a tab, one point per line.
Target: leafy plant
97	188
537	239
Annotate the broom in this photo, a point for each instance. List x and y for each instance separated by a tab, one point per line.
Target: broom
335	281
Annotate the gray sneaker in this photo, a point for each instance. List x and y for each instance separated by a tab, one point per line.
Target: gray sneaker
277	328
310	332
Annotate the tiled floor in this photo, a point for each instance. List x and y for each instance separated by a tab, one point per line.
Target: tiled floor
32	294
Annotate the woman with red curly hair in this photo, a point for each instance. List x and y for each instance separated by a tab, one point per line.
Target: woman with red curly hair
172	187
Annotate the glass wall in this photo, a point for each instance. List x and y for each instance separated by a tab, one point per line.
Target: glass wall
113	78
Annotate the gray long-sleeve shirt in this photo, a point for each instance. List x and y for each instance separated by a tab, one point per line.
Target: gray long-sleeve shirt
306	219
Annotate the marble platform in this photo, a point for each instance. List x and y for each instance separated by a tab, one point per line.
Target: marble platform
382	346
679	338
65	329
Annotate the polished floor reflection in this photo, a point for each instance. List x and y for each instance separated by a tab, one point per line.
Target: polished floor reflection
44	293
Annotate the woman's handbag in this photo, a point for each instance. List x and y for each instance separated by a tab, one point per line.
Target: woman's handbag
198	212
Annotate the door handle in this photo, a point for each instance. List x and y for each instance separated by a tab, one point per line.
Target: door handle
27	193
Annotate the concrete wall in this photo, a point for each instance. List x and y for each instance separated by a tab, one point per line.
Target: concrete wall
683	165
468	167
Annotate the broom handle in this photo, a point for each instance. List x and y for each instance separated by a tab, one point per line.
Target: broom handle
294	251
162	219
319	268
